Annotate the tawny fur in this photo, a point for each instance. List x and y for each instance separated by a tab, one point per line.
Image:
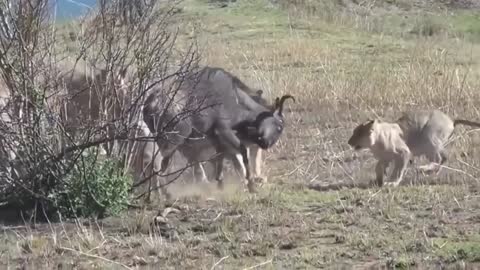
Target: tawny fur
427	133
387	145
422	133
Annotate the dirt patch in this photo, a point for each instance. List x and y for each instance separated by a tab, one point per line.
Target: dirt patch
210	190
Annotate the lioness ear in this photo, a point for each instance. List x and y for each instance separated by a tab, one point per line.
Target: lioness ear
370	124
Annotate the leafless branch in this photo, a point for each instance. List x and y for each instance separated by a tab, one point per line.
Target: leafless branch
65	94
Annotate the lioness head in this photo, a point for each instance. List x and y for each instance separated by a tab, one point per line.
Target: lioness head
361	137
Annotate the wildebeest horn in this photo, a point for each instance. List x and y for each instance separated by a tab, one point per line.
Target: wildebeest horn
279	103
275	104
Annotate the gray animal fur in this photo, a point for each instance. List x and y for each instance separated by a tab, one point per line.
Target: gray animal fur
226	117
426	133
196	151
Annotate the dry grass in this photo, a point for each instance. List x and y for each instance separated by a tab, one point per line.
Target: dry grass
341	76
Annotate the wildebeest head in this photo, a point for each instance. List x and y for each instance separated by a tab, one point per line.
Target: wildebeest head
268	125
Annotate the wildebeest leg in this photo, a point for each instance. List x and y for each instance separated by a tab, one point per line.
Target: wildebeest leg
161	185
219	171
165	162
199	173
227	138
256	156
148	174
169	149
239	166
151	171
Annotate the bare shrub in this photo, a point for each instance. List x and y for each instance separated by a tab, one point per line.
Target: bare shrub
66	97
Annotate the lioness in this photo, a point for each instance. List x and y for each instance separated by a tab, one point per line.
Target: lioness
385	140
427	132
423	132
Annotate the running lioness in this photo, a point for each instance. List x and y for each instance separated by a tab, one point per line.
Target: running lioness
413	134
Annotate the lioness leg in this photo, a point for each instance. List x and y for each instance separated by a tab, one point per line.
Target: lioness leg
436	160
380	170
400	164
256	156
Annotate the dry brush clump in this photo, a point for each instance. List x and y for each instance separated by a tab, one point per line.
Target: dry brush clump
69	100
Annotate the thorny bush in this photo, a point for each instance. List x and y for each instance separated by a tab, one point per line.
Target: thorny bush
63	94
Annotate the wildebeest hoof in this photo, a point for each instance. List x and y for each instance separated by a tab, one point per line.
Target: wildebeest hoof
251	187
168	196
220	185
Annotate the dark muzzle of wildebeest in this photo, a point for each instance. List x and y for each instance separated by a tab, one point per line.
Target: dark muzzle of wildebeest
268	126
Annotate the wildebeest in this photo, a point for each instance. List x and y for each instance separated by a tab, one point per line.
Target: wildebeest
217	111
197	151
88	95
85	94
78	96
146	161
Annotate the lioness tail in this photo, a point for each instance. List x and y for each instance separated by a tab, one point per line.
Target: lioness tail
466	122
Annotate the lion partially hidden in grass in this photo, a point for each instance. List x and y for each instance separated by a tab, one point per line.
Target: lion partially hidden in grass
413	135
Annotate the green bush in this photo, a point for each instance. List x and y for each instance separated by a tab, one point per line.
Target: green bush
94	188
